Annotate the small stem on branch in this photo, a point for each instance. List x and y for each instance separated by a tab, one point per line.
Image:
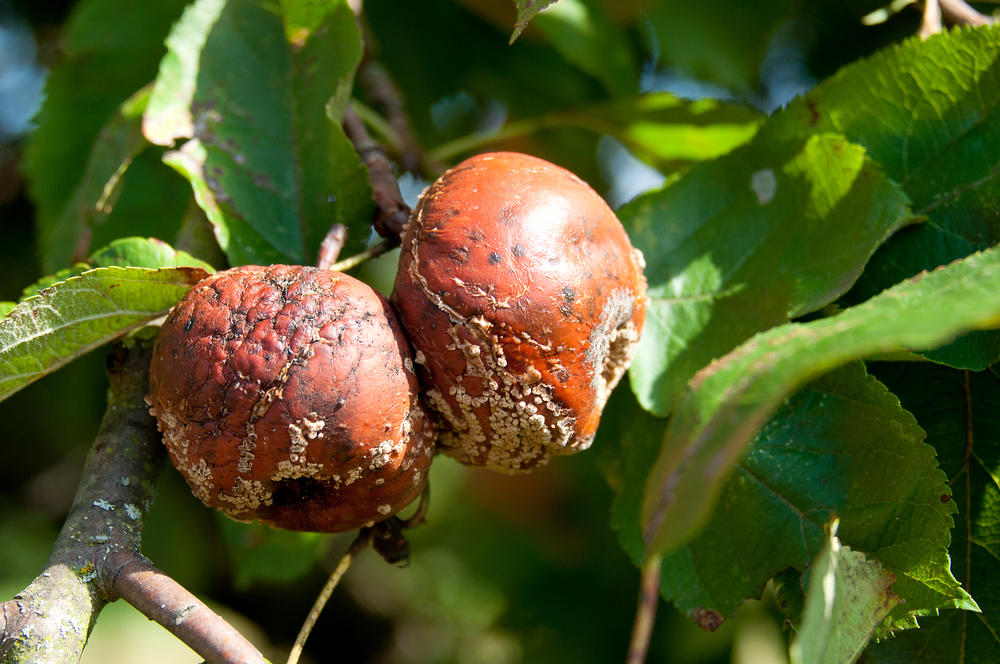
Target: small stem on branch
930	24
357	546
329	250
645	614
379	86
360	257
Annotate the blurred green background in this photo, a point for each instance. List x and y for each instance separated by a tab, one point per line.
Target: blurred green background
508	569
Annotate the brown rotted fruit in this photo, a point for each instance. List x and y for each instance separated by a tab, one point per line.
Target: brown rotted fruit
286	394
524	299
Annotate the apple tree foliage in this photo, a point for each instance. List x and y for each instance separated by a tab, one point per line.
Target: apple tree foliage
812	405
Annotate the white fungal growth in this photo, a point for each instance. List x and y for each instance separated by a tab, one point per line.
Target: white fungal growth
611	344
247	446
132	511
246	496
381	454
384	510
103	504
521	435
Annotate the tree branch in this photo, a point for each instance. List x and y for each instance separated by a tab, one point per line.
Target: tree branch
645	614
391	212
379	86
959	12
96	559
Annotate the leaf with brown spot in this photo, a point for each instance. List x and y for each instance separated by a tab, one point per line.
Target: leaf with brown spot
261	143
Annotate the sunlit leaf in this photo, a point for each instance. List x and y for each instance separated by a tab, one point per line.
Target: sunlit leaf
660	128
526	10
260	142
144	252
727	402
770	231
667	132
848	597
74	316
929	113
124	252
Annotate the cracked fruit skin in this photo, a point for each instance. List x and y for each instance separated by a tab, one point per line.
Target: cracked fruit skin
286	394
524	299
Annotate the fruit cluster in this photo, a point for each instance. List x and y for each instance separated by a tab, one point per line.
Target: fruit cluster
290	394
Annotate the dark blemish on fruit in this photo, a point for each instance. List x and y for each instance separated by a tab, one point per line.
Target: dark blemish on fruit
568	293
517	250
189	324
495	258
298	490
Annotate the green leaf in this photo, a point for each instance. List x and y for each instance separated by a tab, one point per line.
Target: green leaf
81	313
958	410
848	597
626	446
124	252
144	252
582	32
823	453
929	113
770	231
717	40
526	81
50	279
726	403
6	308
526	10
261	142
262	554
151	202
111	49
665	131
118	143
